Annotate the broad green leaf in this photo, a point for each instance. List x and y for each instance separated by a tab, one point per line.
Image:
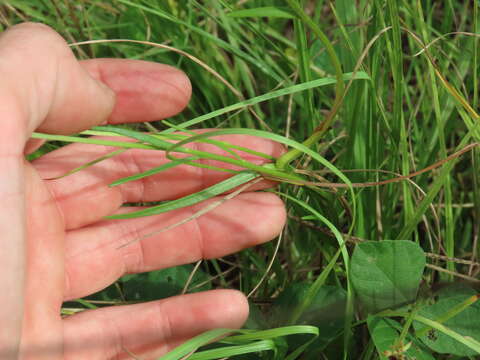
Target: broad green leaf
386	274
466	322
385	333
267	11
326	311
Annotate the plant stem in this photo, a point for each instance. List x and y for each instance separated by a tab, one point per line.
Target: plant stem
291	155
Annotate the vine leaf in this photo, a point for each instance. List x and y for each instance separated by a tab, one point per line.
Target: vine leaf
386	274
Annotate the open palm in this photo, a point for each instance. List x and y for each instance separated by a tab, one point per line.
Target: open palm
54	244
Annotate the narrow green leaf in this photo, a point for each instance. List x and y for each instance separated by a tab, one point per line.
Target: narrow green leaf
208	36
272	333
90	163
266	11
465	322
152	171
93	141
313	290
274	137
472	344
194	343
192	199
360	75
247	342
385	334
227	351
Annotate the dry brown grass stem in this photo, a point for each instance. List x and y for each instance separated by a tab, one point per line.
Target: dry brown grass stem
389	181
462	276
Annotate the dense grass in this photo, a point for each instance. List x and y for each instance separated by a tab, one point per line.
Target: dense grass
417	107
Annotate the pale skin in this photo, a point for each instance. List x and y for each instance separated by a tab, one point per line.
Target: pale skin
54	243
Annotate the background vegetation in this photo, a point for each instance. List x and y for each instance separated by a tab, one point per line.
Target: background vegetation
389	294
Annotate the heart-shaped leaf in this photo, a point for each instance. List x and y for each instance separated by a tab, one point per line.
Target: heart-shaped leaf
386	274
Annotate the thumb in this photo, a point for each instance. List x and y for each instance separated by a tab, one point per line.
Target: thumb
44	87
41	84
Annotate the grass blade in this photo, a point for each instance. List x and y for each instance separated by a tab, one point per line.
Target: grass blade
192	199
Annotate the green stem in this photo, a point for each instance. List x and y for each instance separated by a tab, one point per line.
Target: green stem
451	313
83	140
291	155
155	143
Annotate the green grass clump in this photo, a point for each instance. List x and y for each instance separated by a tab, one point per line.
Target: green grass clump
362	92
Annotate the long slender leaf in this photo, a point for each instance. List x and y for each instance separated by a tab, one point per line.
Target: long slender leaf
272	95
266	11
192	199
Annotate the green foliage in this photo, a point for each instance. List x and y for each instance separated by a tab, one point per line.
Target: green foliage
464	323
267	11
160	284
386	274
407	108
385	335
326	311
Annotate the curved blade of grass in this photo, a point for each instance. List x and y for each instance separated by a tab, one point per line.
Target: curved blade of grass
192	199
346	259
266	11
152	171
465	340
452	312
164	145
279	332
227	351
333	229
291	155
93	141
220	144
313	290
197	214
360	75
421	208
274	137
247	342
221	43
194	343
90	163
250	335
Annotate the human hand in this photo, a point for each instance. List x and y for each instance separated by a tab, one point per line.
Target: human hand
54	245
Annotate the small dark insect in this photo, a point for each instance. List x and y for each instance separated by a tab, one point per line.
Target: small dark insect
432	335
